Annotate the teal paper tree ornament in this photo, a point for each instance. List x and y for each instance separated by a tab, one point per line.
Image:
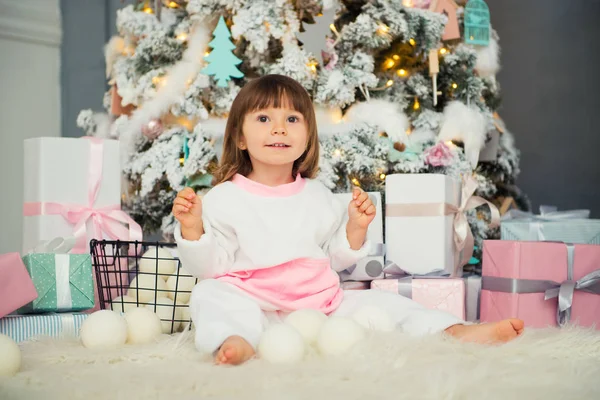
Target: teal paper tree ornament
477	23
221	61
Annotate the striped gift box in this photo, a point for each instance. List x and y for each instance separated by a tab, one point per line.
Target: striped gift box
25	327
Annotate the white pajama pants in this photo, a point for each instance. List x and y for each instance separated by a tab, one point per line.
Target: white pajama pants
220	310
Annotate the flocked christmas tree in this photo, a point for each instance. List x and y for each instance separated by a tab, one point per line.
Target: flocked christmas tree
397	88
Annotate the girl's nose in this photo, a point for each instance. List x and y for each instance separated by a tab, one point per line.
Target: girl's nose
278	131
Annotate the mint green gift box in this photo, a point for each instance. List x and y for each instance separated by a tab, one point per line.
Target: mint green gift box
64	282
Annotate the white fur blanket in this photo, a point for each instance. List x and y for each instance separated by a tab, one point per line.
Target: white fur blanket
542	364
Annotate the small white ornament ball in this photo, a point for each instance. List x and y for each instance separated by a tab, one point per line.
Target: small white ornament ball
165	309
162	262
338	335
123	304
182	284
10	361
146	287
374	318
308	323
281	344
143	326
103	329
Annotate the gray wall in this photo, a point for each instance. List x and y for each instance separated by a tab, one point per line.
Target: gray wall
550	87
550	90
87	26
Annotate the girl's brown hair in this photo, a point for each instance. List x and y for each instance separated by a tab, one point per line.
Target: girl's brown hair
264	92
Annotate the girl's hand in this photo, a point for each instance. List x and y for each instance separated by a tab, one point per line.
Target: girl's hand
361	210
187	209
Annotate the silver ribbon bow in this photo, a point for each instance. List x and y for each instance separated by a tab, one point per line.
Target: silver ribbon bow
590	283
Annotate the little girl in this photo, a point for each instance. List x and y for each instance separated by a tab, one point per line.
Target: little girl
268	238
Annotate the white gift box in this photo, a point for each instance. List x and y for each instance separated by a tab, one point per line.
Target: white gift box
58	171
419	236
370	267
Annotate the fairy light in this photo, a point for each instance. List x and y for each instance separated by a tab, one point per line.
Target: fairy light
389	64
417	105
450	144
383	29
382	176
147	9
389	83
396	57
355	182
443	50
206	53
454	86
313	66
412	42
407	3
401	72
337	152
409	131
182	37
333	29
181	161
173	4
157	80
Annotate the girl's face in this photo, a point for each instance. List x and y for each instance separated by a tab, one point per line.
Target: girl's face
274	137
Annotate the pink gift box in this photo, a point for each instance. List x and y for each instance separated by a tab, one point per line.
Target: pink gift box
444	294
512	270
16	286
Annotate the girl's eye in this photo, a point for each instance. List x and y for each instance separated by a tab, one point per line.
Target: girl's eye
293	119
263	118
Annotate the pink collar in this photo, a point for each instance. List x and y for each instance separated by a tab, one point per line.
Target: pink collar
285	190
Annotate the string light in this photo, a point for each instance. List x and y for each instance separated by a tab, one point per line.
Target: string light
333	29
407	3
454	86
443	50
173	4
401	72
313	66
409	131
396	57
181	161
412	42
337	152
157	80
147	9
355	182
389	64
417	105
383	29
182	37
389	83
382	176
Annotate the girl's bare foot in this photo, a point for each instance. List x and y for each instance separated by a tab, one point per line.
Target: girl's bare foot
235	350
495	332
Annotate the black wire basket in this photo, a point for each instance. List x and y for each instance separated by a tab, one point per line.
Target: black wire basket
143	274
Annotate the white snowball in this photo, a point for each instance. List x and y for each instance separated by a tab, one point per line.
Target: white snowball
10	362
338	335
143	326
182	284
103	329
123	304
164	264
374	318
145	287
166	310
281	344
307	322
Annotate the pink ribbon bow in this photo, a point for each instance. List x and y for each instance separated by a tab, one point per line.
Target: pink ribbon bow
109	219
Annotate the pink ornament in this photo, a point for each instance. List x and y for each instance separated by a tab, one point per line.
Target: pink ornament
449	8
153	129
424	4
439	155
330	54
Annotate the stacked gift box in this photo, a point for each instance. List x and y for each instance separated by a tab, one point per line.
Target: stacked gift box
427	242
545	270
72	195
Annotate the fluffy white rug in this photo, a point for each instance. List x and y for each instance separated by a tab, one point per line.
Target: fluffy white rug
542	364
